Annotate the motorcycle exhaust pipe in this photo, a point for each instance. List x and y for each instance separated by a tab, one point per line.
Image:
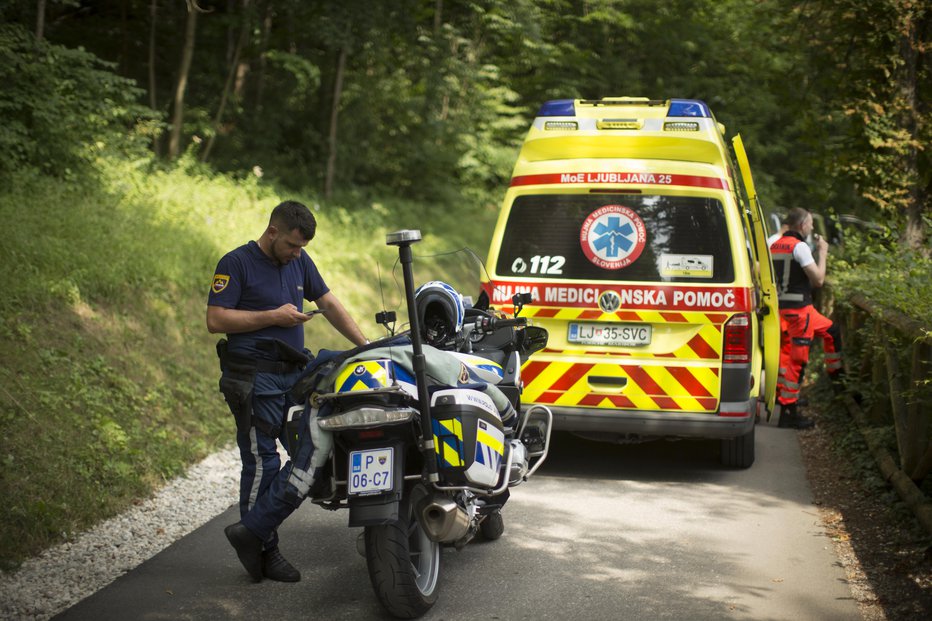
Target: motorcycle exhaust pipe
443	520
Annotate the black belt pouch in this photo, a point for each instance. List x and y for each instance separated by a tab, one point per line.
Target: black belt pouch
237	385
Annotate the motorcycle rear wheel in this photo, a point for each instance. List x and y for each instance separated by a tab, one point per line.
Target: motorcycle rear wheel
404	564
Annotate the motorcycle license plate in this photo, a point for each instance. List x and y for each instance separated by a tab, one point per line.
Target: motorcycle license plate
370	471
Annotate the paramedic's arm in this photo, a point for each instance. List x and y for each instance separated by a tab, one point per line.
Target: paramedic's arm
234	321
816	271
340	319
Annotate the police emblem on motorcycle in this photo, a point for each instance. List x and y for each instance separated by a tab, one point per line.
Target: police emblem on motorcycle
613	237
609	301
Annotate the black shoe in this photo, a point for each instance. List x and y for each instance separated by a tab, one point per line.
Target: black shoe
248	548
275	567
790	418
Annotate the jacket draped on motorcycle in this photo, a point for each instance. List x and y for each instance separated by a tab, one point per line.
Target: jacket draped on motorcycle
332	371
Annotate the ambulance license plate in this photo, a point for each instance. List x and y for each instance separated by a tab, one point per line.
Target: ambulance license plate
370	471
609	334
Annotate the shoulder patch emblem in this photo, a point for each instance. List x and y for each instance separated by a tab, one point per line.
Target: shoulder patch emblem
220	283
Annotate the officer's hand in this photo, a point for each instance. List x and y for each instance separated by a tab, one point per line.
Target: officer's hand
287	316
822	244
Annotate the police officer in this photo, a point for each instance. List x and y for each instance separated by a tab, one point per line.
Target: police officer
797	272
256	299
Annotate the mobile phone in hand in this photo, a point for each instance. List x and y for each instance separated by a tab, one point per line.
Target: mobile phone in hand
316	311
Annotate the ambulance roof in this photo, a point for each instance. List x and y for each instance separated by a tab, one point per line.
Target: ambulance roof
625	127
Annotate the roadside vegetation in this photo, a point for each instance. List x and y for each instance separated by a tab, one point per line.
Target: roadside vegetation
134	157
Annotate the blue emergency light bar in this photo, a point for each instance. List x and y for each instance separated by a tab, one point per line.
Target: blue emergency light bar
558	107
689	108
693	108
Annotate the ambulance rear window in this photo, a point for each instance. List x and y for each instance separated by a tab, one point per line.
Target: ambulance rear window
617	237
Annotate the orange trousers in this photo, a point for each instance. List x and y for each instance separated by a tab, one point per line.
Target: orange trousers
798	328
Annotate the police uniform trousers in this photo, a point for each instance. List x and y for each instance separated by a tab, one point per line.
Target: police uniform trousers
799	326
257	445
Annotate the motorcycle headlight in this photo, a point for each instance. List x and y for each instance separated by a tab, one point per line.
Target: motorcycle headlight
366	417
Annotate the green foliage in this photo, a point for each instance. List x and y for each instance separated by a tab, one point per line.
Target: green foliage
894	276
60	106
867	75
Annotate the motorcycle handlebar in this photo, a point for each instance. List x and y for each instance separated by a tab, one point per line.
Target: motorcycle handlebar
491	324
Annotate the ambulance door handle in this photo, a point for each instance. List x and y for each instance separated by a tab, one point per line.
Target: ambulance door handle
607	381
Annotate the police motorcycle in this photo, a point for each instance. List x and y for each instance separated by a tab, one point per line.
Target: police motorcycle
421	434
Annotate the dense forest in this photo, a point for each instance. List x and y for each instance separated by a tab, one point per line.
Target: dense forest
141	139
414	97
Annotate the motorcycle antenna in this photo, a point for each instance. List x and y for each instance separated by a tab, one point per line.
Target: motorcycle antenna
403	239
384	316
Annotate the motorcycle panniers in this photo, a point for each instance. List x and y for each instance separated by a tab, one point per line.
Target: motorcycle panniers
469	437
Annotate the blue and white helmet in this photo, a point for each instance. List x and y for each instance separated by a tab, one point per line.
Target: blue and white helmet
440	312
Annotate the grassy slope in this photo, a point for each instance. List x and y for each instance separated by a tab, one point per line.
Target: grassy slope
107	373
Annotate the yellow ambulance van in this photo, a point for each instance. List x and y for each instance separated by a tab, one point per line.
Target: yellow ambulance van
635	228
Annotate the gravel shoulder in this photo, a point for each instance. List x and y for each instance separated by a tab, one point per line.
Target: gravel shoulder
62	576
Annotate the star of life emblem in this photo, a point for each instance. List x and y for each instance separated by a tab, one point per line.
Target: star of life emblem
613	237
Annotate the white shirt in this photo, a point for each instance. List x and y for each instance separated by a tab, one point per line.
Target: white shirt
802	252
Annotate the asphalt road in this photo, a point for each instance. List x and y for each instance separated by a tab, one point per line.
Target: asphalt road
650	531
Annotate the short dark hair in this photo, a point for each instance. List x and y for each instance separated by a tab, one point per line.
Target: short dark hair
796	217
290	215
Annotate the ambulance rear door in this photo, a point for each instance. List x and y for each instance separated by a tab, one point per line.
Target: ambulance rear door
768	310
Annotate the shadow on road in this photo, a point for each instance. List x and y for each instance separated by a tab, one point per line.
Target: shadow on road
658	460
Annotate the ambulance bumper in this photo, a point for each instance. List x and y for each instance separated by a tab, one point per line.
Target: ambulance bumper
650	424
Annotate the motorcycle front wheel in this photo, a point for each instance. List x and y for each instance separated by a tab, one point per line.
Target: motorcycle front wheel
404	564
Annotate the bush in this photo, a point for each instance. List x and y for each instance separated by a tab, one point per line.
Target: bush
891	275
61	106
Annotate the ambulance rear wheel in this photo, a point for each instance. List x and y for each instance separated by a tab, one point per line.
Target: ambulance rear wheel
738	452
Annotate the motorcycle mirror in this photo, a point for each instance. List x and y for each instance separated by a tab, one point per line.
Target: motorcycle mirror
483	302
519	300
535	339
385	317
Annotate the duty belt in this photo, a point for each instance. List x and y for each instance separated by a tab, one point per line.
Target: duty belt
278	366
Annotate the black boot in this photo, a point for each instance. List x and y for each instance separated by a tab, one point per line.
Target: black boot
248	548
790	418
275	567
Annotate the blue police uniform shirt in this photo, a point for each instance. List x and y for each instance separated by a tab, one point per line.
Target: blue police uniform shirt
247	279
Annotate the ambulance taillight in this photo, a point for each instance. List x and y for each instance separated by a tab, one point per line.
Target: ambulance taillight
738	340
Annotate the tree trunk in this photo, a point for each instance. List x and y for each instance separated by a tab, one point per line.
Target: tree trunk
231	74
174	144
334	113
40	20
906	78
123	63
263	46
153	100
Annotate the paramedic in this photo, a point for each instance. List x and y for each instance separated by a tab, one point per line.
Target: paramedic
256	298
797	273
